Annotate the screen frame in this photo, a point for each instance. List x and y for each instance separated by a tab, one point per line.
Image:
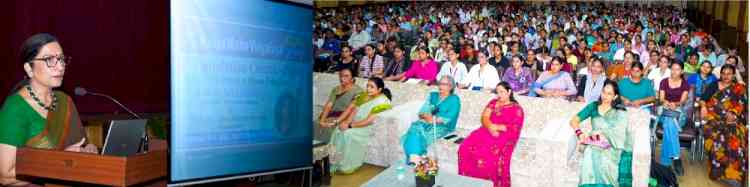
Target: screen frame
173	183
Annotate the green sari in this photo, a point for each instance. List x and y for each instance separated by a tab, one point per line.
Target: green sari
21	126
607	167
350	146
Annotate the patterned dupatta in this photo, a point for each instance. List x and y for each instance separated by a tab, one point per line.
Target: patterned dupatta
63	126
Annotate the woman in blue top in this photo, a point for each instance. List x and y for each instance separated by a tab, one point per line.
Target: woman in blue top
699	81
437	118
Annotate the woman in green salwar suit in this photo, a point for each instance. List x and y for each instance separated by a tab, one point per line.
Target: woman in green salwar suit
353	127
608	147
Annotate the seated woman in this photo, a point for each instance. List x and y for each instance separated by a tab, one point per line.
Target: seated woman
725	110
636	91
487	152
346	61
424	68
481	76
520	78
340	97
734	61
34	115
372	64
396	66
453	67
607	148
437	118
673	96
591	84
353	127
699	81
554	83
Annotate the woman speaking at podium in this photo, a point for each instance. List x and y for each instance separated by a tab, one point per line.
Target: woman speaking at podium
34	115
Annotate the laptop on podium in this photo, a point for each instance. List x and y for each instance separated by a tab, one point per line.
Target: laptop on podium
124	137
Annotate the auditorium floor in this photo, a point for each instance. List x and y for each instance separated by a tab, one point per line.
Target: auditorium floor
695	176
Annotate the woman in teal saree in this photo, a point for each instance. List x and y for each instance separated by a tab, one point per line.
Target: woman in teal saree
608	147
437	118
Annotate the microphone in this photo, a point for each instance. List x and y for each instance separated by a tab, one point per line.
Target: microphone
80	91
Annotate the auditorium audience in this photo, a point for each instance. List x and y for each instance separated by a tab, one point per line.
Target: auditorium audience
576	51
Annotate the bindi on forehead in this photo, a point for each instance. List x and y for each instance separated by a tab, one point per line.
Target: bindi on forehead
50	49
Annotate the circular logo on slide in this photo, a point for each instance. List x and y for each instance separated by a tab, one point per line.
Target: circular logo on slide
286	113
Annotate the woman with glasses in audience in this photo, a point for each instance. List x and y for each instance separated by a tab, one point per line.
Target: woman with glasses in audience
520	78
673	96
437	118
486	153
724	108
353	127
36	116
607	148
482	76
554	83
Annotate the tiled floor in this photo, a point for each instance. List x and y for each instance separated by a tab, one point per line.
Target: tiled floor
695	176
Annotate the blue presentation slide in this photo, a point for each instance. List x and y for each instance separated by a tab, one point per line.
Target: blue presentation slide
241	87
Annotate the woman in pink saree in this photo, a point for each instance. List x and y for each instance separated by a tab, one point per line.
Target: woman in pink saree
486	153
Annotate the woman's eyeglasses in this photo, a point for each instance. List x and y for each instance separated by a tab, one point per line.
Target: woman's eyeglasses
52	61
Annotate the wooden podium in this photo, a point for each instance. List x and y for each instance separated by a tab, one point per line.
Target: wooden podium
94	168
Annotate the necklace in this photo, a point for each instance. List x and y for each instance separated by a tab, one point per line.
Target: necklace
52	105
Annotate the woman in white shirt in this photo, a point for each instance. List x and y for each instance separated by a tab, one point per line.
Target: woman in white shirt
453	68
483	76
661	72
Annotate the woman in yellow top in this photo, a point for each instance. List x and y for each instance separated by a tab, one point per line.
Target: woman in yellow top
34	115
